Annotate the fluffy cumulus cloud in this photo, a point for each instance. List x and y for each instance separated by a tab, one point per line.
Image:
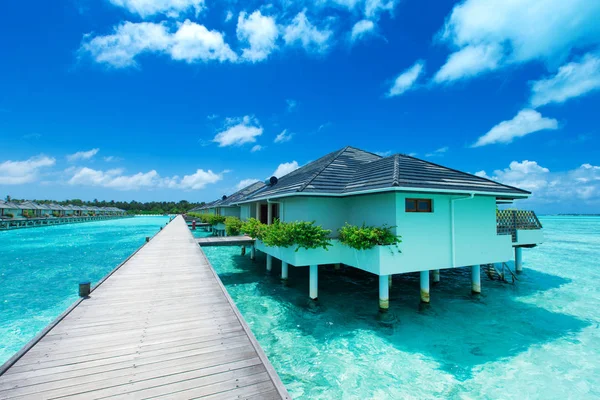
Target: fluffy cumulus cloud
283	137
362	29
239	131
256	147
527	121
406	80
171	8
572	80
302	32
82	155
245	183
501	33
191	42
117	179
553	190
260	32
19	172
285	168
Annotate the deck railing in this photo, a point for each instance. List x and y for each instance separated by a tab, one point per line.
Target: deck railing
508	221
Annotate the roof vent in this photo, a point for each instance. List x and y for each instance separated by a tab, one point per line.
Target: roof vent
273	180
224	197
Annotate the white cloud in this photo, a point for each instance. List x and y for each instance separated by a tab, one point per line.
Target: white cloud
245	183
285	168
438	152
468	62
112	159
406	80
384	153
572	80
115	179
228	16
517	32
19	172
191	42
302	32
82	155
559	189
525	122
260	32
361	29
283	137
171	8
256	147
375	7
291	104
239	131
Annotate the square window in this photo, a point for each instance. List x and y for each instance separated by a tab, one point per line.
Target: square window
424	205
418	205
411	205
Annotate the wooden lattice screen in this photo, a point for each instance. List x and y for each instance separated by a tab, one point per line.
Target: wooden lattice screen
508	221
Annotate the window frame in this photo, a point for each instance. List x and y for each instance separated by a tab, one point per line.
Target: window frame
417	200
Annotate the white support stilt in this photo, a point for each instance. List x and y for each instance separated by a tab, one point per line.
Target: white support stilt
258	211
476	279
269	213
436	275
384	292
284	271
390	281
269	262
253	253
424	286
337	266
518	259
314	282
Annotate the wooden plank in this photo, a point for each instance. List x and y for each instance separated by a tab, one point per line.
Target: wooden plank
225	241
162	325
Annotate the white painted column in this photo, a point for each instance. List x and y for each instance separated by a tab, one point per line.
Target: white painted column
253	253
390	281
424	286
314	282
476	279
284	271
269	213
384	292
258	211
519	259
436	275
269	262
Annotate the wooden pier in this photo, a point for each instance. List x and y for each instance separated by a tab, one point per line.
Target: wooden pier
162	325
19	223
225	241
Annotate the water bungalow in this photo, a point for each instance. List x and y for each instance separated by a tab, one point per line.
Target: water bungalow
9	210
446	218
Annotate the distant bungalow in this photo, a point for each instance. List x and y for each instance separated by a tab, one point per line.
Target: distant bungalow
446	218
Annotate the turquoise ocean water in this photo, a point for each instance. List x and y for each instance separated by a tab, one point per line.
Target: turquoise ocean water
538	339
40	269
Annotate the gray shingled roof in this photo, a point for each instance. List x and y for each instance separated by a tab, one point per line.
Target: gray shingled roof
241	194
351	170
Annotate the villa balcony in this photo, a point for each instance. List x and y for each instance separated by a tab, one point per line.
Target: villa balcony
523	226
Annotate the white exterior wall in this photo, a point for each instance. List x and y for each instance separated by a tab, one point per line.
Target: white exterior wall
230	211
329	212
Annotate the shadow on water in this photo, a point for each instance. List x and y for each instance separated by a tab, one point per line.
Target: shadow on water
458	330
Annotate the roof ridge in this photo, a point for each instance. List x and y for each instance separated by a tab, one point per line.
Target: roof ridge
396	177
466	173
322	169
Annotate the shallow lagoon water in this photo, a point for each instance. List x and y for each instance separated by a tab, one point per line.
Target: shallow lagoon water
539	338
40	269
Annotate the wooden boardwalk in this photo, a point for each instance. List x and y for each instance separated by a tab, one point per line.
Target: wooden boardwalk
161	326
225	241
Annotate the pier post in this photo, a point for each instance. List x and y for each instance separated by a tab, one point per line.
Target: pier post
269	262
284	271
436	276
147	239
475	279
424	286
384	292
518	259
243	250
253	253
390	281
314	282
84	289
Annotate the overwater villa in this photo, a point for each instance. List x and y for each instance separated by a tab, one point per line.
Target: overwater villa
445	218
228	205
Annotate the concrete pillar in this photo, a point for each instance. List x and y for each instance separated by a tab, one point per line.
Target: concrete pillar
475	279
253	253
269	213
269	262
314	282
424	286
384	292
258	211
284	271
390	281
336	266
436	275
518	259
243	250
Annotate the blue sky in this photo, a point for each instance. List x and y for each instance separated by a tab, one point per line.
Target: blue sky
188	99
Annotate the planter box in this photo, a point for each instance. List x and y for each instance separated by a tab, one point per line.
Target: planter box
303	257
